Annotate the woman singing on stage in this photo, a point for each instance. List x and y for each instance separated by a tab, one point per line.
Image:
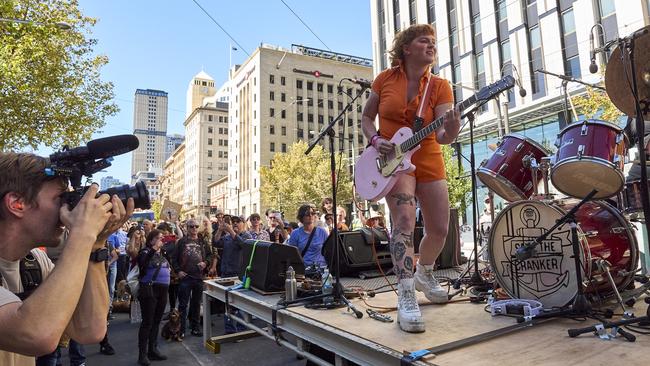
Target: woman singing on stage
396	95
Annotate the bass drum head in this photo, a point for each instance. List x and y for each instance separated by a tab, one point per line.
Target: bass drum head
549	276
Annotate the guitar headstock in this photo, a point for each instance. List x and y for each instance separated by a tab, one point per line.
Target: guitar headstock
495	88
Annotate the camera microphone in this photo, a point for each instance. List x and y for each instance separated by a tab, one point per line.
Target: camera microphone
99	149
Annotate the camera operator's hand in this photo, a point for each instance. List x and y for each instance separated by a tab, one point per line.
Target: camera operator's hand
181	274
119	215
91	213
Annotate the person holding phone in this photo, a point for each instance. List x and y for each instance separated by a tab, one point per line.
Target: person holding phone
277	231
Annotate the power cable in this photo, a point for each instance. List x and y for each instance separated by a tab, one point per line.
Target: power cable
305	24
222	28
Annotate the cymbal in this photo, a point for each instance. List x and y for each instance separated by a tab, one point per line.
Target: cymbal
616	79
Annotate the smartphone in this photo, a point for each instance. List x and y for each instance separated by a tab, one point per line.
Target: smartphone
278	216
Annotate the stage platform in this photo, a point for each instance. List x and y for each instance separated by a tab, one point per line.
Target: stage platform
368	341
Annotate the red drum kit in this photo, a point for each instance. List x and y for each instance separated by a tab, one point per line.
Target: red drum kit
590	155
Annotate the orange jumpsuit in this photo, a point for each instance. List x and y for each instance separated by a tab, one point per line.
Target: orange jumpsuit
395	113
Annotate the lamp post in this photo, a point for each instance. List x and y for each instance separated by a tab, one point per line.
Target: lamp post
60	25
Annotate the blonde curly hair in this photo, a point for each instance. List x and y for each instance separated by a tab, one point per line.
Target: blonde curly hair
407	36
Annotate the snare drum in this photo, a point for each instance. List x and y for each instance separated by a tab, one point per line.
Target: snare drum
550	275
507	172
590	156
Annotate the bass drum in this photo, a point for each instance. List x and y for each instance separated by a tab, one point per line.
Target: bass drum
549	276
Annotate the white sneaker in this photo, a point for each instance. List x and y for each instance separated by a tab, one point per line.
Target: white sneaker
426	282
409	316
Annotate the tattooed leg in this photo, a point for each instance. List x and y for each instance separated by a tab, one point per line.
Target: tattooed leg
404	199
401	250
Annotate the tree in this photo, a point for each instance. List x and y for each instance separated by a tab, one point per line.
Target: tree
294	178
596	104
458	188
50	87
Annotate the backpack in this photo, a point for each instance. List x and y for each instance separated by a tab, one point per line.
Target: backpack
31	275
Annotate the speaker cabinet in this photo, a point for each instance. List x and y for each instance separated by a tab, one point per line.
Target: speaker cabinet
356	252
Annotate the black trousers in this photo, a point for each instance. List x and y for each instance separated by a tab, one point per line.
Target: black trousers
152	305
190	291
173	295
122	268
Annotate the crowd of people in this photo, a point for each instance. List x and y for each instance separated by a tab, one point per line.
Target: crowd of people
173	259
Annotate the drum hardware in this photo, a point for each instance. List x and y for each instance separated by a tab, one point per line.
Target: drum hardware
604	266
544	167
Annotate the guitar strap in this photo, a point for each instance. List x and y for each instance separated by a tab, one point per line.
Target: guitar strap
419	118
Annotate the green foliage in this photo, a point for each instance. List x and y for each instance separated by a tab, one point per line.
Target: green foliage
596	104
50	87
295	178
459	189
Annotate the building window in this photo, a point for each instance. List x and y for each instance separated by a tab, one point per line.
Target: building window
606	8
396	19
209	129
283	114
272	112
284	147
272	130
272	95
272	147
283	97
431	11
310	117
412	12
299	116
319	87
283	130
209	153
330	88
572	66
310	85
299	84
271	79
568	22
209	141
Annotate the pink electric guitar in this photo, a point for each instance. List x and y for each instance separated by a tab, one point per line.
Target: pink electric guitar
376	174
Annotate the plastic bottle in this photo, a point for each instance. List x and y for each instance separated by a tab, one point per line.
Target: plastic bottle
327	288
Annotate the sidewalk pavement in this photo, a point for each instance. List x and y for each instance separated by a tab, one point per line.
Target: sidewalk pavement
123	337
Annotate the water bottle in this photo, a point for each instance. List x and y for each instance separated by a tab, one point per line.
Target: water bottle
290	285
327	288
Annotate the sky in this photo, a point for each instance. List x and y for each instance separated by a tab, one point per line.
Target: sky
162	44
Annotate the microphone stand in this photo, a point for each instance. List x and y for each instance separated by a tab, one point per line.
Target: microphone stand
627	45
476	279
338	292
565	80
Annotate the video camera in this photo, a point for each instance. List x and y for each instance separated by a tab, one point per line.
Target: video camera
86	160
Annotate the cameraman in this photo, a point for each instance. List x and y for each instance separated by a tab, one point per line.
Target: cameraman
31	215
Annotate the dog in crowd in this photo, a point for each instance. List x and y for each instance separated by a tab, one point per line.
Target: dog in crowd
122	299
172	329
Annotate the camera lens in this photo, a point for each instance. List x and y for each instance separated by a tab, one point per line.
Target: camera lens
138	192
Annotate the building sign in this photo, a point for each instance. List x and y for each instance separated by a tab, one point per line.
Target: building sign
315	73
246	76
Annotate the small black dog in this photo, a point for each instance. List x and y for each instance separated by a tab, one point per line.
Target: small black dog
172	329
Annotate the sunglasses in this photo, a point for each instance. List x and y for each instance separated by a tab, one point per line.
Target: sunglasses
193	226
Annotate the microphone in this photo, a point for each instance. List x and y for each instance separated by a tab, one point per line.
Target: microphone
365	84
526	251
593	68
522	91
99	149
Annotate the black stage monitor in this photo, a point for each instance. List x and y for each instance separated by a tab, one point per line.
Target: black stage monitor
270	263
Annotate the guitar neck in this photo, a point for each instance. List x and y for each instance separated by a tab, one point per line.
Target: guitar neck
415	140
